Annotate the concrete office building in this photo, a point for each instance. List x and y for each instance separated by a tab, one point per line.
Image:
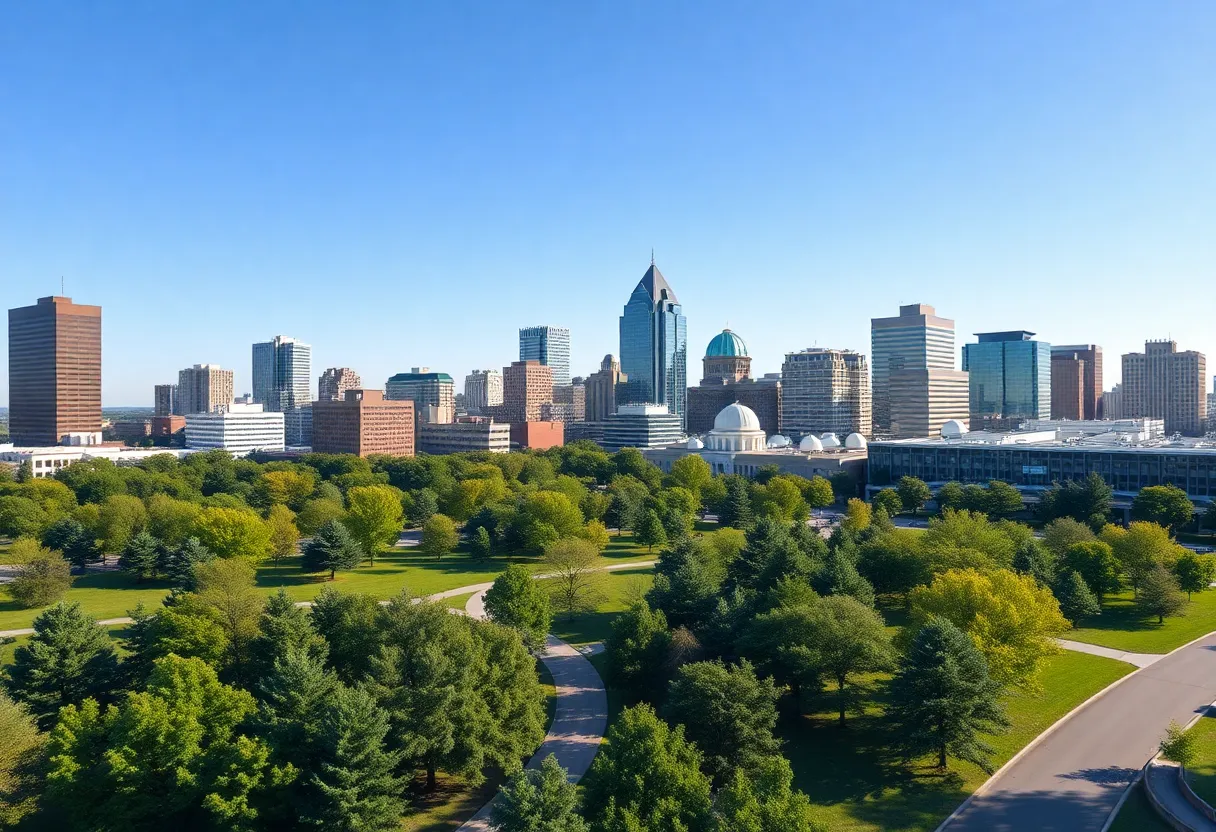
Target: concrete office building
1076	382
1162	383
641	426
1009	379
433	394
570	401
654	346
282	373
727	378
601	390
239	428
297	426
825	390
164	397
466	434
921	401
1112	402
334	382
54	373
482	390
363	422
204	388
550	345
917	339
526	386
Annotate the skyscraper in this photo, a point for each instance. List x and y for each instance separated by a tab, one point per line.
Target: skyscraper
165	399
915	340
433	394
1162	383
602	387
482	390
204	388
282	373
825	390
334	382
654	346
526	387
1009	378
54	375
550	345
1085	359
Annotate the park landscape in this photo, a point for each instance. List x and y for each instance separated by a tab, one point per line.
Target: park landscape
765	672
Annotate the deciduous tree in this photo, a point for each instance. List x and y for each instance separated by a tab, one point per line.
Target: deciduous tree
1165	505
516	600
574	581
284	536
439	536
889	501
1195	573
40	579
913	493
1096	564
374	517
762	799
1159	594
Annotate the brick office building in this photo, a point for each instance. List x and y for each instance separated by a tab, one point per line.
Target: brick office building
363	423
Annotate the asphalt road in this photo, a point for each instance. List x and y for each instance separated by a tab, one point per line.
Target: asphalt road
1073	778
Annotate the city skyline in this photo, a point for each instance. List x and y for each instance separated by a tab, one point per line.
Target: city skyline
868	173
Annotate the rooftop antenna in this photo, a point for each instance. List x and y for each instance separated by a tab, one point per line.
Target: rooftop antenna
652	255
61	291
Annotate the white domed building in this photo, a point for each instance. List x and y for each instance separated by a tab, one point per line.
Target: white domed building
736	428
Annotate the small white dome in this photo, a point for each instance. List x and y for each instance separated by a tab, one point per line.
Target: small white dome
778	441
810	444
829	441
855	442
695	444
953	429
736	417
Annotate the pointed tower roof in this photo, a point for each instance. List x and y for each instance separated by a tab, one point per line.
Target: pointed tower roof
656	285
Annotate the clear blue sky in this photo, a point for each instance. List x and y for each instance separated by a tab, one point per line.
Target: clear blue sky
406	184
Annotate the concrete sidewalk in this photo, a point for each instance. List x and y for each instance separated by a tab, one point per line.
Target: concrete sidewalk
1161	778
1138	659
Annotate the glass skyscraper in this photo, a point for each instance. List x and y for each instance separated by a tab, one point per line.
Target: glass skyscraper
282	379
1009	377
550	345
654	346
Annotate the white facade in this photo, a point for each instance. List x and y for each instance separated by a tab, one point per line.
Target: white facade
44	462
482	389
239	429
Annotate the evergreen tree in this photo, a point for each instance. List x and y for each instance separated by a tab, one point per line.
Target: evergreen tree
141	556
351	626
538	800
354	786
332	548
283	627
1096	564
67	660
480	544
1159	594
516	600
637	650
839	576
942	697
180	562
736	509
1076	601
762	799
1034	559
650	530
424	504
69	536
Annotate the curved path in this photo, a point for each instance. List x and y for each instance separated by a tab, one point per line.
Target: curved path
1073	775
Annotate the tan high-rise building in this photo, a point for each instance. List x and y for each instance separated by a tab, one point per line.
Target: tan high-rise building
204	388
1068	361
917	339
1162	383
601	389
825	391
924	400
363	422
54	375
334	382
526	386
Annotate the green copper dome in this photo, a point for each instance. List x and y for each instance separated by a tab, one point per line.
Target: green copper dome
726	344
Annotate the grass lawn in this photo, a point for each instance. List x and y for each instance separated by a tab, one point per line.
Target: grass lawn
111	594
620	589
1138	815
858	783
1123	627
1202	774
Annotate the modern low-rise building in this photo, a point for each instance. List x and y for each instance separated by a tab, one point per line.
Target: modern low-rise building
641	426
537	435
466	434
240	428
364	423
433	394
47	461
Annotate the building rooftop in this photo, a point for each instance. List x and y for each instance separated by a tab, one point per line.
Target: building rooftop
1118	435
656	285
1010	335
421	377
726	344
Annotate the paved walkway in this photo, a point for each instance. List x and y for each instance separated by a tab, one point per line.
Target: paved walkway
1072	776
1138	659
1162	779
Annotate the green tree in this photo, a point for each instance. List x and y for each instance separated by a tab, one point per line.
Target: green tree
691	472
763	800
572	565
1140	548
1096	564
170	520
40	580
728	713
780	642
736	508
949	496
169	756
439	536
1159	594
889	501
1003	499
421	505
818	493
226	589
1063	532
1076	601
69	536
1179	745
351	625
283	627
840	577
121	517
284	536
893	563
67	660
141	556
180	563
1165	505
20	516
1087	501
233	532
1034	559
480	544
847	638
332	548
21	761
943	699
1195	573
538	800
856	516
913	493
374	517
636	651
354	775
596	534
516	600
650	530
647	776
316	513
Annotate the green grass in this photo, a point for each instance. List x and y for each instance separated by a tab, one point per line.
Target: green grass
457	602
1138	815
858	783
619	589
112	594
1202	773
1122	626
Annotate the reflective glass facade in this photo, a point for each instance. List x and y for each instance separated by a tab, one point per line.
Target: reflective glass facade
282	374
1009	376
654	347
